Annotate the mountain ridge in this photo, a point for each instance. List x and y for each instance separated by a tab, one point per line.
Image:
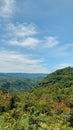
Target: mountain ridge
22	75
61	77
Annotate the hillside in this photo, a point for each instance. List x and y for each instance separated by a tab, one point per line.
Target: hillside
60	78
49	106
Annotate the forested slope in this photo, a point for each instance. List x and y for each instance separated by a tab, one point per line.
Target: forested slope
60	78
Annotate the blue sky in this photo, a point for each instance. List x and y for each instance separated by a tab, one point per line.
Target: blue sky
36	36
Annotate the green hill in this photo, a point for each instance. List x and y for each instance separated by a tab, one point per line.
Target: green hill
60	78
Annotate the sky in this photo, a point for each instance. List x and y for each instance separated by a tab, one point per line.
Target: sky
36	36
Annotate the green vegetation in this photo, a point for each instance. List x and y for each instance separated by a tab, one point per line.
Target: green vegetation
49	106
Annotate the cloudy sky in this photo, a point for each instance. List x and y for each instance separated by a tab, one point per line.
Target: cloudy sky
36	35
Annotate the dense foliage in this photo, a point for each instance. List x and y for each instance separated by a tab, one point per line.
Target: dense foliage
46	107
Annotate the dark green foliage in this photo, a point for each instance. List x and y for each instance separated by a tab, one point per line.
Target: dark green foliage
12	102
2	109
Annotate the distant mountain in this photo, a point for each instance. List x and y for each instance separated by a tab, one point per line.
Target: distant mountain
22	75
61	78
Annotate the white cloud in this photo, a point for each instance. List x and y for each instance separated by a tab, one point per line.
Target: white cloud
6	8
22	35
29	42
26	36
16	62
51	41
21	30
